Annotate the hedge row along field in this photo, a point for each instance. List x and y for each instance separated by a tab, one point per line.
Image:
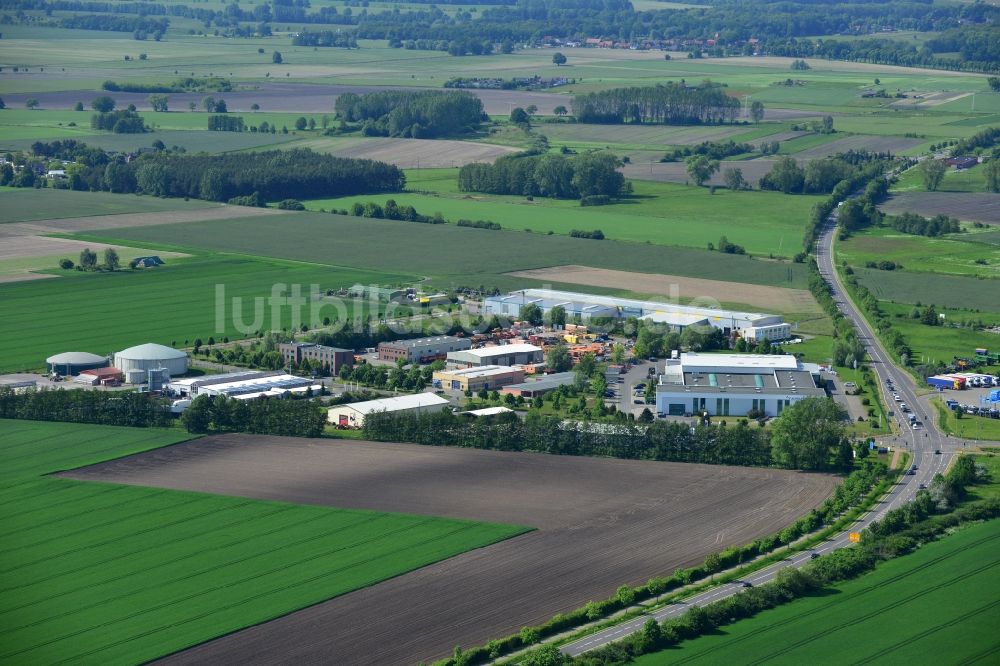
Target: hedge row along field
101	573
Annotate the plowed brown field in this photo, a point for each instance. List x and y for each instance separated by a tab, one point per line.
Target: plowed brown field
601	523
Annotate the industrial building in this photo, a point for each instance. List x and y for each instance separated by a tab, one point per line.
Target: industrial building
515	354
587	306
734	384
540	386
382	294
72	363
136	361
332	358
100	377
353	415
477	378
766	333
273	386
191	386
421	350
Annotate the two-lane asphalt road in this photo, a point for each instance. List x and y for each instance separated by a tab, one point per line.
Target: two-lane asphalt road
921	444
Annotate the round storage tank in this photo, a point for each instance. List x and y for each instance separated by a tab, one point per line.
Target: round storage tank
151	356
73	363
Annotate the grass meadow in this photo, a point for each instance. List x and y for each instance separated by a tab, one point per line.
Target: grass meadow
969	427
942	343
939	600
113	574
662	213
966	180
953	254
171	305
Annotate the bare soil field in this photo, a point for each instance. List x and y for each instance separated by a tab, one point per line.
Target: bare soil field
676	287
411	153
665	135
928	99
878	144
968	206
676	172
126	220
601	523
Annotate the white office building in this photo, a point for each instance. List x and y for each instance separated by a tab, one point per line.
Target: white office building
734	384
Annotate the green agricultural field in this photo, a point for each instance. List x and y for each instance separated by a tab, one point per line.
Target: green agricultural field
954	254
662	213
943	290
453	255
942	343
190	140
28	205
940	600
966	180
172	305
109	574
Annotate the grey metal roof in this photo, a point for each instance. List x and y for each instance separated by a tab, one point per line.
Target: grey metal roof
75	358
150	352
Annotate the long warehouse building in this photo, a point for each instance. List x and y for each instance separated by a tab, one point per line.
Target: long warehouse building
587	306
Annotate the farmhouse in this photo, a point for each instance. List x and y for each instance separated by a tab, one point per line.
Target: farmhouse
515	354
421	350
100	377
148	262
353	415
734	384
541	386
477	378
332	358
587	306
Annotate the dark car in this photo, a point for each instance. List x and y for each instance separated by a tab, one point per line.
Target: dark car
813	556
923	486
746	583
937	452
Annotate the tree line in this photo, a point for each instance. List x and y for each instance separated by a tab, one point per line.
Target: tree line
911	223
272	175
185	84
670	103
741	445
262	416
118	408
811	436
553	176
420	115
326	38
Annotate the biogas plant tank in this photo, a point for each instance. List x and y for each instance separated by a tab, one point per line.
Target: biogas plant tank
151	356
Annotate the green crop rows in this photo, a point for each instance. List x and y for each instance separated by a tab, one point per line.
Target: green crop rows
450	253
105	574
662	213
941	600
25	205
107	312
